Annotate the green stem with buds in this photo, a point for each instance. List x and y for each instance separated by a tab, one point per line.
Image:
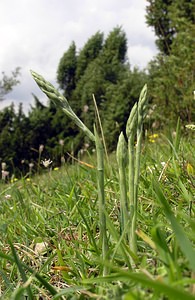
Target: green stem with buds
101	199
134	129
62	102
131	132
122	158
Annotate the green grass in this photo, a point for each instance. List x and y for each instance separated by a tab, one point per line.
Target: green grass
60	210
77	244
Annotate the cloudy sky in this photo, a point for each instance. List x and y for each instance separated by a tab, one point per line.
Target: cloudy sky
35	34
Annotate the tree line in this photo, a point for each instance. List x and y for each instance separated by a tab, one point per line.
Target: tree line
101	68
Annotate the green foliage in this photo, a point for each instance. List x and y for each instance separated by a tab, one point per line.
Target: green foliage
158	17
8	82
67	70
119	99
164	17
60	210
171	73
103	70
88	53
13	137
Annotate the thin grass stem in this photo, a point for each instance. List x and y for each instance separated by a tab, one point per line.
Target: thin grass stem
141	111
131	131
122	158
101	128
101	197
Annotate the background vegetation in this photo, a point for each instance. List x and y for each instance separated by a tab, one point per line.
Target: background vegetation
101	68
50	231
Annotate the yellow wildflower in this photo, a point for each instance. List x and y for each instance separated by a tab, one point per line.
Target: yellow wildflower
153	136
190	169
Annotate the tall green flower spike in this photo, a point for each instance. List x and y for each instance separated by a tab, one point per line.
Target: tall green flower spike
122	159
134	129
61	101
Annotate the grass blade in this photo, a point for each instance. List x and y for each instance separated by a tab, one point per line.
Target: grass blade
46	284
21	270
173	292
181	236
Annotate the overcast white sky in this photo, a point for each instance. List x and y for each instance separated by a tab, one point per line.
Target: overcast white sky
35	34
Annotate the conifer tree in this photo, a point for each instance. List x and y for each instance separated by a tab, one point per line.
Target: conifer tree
8	82
172	72
88	53
102	68
67	71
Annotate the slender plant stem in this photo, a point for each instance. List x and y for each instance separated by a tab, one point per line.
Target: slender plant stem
137	164
132	235
121	154
101	198
141	111
101	129
136	183
131	131
135	127
142	106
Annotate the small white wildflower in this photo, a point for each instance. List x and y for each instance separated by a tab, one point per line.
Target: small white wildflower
4	174
41	147
63	160
3	166
61	142
81	151
31	165
190	126
7	196
85	108
86	146
40	248
46	162
174	133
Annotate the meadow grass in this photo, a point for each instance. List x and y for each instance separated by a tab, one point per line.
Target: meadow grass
59	211
105	231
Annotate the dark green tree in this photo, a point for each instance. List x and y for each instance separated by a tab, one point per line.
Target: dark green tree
120	98
158	18
11	137
172	75
107	69
165	16
114	55
20	145
88	53
8	82
66	71
102	69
